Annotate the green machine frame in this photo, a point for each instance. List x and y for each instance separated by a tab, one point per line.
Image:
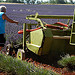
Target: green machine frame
45	40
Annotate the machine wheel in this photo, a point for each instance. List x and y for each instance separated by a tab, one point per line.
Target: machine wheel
21	54
9	49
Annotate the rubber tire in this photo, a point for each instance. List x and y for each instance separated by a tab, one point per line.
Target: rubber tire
9	49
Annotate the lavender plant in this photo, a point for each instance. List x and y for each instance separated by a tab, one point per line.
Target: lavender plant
68	61
14	66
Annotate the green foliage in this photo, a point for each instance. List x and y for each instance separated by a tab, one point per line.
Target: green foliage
68	61
28	1
32	1
15	1
60	1
71	1
17	67
52	1
40	2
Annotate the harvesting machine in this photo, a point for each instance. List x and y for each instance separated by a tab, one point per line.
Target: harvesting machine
52	39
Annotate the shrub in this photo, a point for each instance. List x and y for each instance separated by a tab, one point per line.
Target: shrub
14	66
68	61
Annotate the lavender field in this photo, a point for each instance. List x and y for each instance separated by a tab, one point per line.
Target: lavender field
20	11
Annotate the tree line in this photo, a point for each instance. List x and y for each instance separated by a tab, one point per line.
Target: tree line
40	2
61	1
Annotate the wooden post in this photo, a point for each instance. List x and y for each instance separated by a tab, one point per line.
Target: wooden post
24	36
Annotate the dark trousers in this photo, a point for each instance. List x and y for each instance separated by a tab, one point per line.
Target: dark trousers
2	40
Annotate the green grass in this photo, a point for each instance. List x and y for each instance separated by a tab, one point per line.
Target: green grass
17	67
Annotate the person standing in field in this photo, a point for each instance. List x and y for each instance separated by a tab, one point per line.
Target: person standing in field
3	19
